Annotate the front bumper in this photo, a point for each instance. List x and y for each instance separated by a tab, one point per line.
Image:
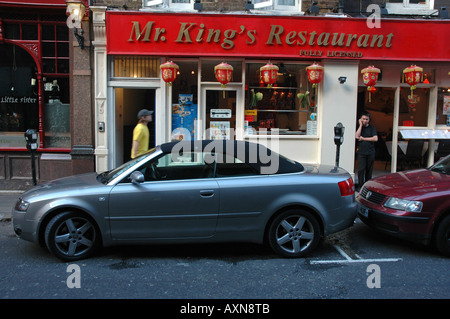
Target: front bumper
24	228
413	228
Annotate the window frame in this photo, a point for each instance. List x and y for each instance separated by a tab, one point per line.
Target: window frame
168	4
45	76
305	110
274	5
407	8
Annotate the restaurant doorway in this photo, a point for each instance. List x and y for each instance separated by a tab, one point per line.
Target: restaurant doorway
380	104
221	113
128	102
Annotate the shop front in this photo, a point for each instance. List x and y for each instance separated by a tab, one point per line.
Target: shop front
295	111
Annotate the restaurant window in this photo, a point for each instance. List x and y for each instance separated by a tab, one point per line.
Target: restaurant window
414	104
19	89
443	106
414	109
19	106
135	66
209	75
55	61
288	108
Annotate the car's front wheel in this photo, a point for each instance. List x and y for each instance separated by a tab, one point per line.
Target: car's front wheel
294	233
71	236
443	236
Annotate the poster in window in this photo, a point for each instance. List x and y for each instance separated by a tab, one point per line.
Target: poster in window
219	130
446	105
184	118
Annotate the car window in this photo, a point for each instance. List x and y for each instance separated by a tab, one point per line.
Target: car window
188	165
108	176
442	166
230	166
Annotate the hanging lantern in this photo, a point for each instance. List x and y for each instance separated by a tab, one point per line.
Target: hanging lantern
370	78
413	75
315	74
169	71
223	72
269	74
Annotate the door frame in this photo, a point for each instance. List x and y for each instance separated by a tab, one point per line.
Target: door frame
160	113
240	103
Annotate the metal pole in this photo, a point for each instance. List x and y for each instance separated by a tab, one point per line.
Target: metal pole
338	151
33	168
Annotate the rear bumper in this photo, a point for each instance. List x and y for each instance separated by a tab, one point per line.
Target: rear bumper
343	217
410	228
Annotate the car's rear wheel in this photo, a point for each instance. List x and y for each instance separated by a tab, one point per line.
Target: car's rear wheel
71	236
294	233
443	236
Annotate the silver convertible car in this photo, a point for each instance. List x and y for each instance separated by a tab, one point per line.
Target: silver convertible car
186	192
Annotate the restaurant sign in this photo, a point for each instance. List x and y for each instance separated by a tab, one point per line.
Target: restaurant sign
172	34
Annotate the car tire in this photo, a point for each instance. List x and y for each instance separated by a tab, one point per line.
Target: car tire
71	236
443	237
294	233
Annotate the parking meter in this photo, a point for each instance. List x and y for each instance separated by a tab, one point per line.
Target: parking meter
338	140
31	138
339	134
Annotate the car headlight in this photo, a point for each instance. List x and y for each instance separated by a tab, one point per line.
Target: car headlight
22	205
403	204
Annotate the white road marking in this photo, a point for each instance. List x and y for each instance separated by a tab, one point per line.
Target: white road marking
348	259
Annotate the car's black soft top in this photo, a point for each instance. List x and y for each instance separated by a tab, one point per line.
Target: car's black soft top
256	155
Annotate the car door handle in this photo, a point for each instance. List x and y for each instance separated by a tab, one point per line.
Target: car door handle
207	193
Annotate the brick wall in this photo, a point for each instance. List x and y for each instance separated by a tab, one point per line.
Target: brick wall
239	5
119	4
213	5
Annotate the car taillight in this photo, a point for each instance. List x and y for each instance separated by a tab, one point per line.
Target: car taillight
347	187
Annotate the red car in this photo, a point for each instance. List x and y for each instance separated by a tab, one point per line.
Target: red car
413	205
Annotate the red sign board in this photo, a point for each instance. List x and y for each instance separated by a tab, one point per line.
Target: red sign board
34	3
173	34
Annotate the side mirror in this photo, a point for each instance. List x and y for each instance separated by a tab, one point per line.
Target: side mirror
137	177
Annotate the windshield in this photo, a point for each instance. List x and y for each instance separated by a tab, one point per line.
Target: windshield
107	176
442	166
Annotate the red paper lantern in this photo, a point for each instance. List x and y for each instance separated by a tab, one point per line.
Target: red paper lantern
370	78
413	75
224	72
315	74
269	73
169	71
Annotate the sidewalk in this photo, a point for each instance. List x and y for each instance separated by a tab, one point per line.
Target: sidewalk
7	201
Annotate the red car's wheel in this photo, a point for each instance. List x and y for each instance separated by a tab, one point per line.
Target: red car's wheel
443	236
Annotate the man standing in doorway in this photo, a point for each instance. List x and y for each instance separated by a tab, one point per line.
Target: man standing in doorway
366	135
141	134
